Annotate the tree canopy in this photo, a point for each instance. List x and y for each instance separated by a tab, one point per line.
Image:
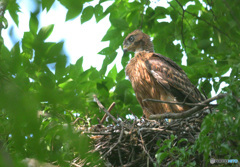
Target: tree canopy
38	104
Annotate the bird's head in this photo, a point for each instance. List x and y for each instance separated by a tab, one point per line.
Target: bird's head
137	41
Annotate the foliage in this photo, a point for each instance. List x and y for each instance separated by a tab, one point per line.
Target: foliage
172	149
41	95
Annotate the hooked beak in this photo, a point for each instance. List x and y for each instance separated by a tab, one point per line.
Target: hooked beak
125	48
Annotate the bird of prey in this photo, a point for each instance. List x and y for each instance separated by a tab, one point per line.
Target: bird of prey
154	76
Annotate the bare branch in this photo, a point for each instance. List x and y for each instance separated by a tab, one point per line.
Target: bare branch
109	110
180	103
104	109
119	141
110	115
188	112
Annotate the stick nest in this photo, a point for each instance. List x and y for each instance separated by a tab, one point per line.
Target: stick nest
133	142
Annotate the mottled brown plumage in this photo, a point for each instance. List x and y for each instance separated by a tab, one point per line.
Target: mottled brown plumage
157	77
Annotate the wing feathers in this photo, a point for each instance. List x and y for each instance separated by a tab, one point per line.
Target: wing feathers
172	78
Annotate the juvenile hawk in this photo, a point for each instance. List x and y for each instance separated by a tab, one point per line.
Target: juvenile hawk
157	77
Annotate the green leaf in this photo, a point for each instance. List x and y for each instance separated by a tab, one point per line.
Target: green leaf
87	14
98	11
68	84
45	32
46	81
77	69
204	44
28	39
207	87
161	156
119	23
60	66
120	75
33	23
113	73
125	59
47	4
107	51
111	34
71	14
174	15
13	9
74	8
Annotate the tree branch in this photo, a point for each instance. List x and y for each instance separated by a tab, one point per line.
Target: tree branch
188	112
110	115
180	103
109	110
104	109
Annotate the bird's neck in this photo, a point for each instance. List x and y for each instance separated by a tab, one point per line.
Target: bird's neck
148	48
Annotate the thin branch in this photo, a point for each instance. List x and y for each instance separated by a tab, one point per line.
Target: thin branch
119	140
145	150
188	112
104	109
180	103
141	24
98	133
109	110
108	114
120	157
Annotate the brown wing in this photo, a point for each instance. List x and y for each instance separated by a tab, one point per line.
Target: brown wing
172	78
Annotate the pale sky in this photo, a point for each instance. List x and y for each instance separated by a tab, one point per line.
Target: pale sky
79	39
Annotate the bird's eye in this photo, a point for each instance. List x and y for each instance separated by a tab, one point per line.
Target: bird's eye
131	38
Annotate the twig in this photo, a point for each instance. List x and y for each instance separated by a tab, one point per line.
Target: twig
120	157
104	109
180	103
145	150
119	140
99	133
73	123
109	110
141	24
73	163
184	101
183	12
108	114
188	112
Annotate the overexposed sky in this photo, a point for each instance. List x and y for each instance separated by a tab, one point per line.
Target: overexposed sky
79	39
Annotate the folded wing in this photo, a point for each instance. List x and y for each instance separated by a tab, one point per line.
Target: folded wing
172	78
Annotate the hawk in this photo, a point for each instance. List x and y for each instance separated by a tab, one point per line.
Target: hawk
154	76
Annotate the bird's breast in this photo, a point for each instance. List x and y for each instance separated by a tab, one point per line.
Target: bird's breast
137	72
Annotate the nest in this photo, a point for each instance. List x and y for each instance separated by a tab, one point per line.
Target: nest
133	142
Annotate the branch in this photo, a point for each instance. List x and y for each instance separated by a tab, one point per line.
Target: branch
180	103
188	112
109	110
104	109
145	150
119	140
110	115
